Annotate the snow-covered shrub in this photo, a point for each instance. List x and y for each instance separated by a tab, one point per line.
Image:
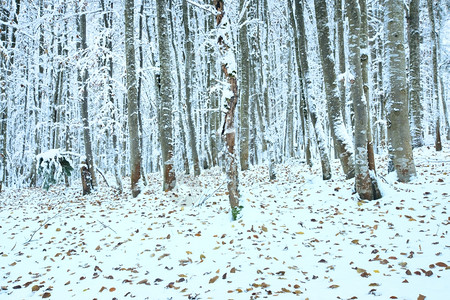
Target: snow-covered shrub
52	165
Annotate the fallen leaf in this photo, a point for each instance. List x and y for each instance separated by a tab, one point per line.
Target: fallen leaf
334	286
212	280
35	288
46	295
421	297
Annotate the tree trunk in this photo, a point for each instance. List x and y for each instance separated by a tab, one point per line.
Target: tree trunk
132	100
231	97
434	46
303	72
244	70
399	135
414	73
363	180
188	63
341	139
166	127
85	107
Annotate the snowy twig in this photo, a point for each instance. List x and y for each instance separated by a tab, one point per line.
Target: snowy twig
206	7
103	175
200	203
106	226
57	214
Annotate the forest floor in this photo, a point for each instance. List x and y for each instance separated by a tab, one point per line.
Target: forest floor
298	237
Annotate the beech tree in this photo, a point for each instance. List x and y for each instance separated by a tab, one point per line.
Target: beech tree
399	134
231	96
133	122
166	97
341	139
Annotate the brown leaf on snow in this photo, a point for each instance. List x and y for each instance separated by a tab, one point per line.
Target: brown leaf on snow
333	286
212	280
143	281
35	288
46	295
421	297
441	264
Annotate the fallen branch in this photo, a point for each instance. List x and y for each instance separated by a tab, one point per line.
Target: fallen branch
103	175
43	224
200	203
106	226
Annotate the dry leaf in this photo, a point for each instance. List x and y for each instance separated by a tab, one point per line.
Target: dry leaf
421	297
334	286
46	295
212	280
35	288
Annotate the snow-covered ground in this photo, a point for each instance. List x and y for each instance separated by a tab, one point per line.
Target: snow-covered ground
298	236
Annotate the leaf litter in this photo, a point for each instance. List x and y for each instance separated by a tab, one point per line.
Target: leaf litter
298	236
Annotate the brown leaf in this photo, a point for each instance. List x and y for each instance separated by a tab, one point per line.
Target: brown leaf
35	288
212	280
441	264
334	286
421	297
103	288
233	270
112	289
46	295
428	273
143	281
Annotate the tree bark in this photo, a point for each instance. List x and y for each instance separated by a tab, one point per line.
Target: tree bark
307	84
244	73
85	107
132	100
228	65
166	127
363	179
341	139
434	46
399	135
188	63
414	73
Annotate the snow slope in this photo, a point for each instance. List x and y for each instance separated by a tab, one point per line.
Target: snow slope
299	237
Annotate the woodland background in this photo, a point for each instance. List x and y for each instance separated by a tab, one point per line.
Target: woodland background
150	84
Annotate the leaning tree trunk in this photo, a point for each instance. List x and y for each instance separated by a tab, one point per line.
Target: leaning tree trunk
363	181
133	122
414	73
303	71
231	95
399	135
166	96
342	141
89	179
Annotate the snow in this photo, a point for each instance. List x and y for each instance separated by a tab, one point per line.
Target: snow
297	234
